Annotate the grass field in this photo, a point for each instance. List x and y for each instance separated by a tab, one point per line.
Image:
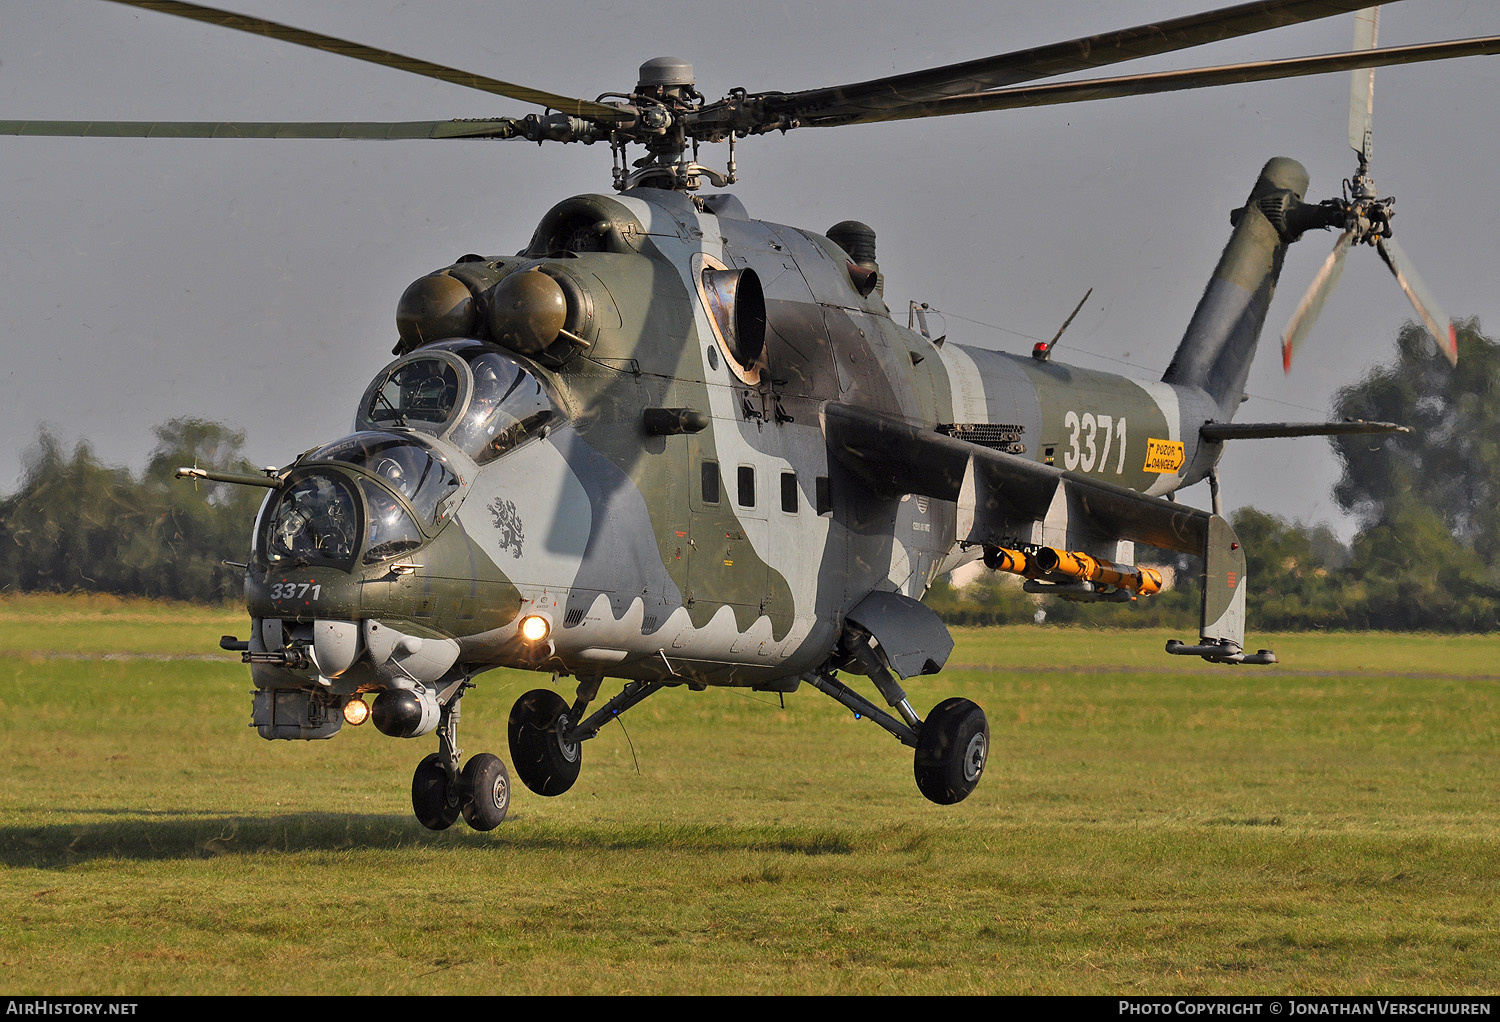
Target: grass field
1146	825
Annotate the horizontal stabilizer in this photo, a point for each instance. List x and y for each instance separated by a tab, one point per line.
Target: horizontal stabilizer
1268	430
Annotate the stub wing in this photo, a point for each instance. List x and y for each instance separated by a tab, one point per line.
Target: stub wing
1006	500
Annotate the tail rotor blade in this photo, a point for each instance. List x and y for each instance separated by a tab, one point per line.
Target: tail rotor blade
1433	317
1312	302
1362	85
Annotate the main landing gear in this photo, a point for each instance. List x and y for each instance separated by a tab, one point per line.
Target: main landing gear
952	744
547	734
441	792
952	747
547	759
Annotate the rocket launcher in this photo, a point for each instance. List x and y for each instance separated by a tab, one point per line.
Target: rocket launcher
1046	561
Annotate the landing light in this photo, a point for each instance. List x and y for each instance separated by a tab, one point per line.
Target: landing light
356	711
535	628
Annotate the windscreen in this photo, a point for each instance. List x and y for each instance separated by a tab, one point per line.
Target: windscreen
313	521
420	395
390	532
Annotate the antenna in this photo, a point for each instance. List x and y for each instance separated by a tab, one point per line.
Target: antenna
1042	351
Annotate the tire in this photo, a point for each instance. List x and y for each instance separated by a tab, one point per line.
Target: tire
429	795
545	764
951	751
486	786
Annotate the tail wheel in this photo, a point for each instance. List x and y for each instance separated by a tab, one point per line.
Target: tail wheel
546	763
486	785
429	795
951	751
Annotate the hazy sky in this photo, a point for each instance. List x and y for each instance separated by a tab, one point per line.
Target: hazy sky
256	282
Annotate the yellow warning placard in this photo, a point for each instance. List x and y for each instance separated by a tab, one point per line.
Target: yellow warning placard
1164	455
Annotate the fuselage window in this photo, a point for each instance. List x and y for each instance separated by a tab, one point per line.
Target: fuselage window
710	482
747	486
789	492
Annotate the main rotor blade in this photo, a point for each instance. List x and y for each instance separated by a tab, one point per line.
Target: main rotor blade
1433	317
1188	78
1362	87
1312	303
364	130
329	44
862	101
385	131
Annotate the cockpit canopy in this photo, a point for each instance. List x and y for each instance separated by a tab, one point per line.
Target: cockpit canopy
380	492
373	495
472	394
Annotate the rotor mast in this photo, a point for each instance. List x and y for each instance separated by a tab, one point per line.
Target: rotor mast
665	96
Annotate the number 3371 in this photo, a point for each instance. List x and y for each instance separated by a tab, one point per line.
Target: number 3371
295	591
1091	440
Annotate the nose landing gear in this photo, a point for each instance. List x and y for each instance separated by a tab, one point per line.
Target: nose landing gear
430	788
486	787
441	792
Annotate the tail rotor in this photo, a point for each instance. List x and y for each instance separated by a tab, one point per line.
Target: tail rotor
1366	221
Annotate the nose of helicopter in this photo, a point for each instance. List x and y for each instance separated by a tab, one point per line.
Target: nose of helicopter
337	646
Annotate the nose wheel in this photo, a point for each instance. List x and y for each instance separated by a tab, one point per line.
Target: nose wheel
486	791
429	794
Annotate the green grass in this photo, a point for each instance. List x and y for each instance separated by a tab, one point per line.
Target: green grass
103	624
1146	825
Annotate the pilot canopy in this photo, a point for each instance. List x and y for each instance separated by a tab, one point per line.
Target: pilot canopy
475	396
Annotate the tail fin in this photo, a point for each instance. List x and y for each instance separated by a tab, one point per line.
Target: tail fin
1219	344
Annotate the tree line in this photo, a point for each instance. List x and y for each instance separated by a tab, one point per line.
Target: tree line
77	524
1426	554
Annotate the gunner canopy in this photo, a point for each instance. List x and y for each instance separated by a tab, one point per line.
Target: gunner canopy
371	486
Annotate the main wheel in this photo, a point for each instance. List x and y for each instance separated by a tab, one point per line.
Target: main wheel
545	763
429	795
486	791
951	751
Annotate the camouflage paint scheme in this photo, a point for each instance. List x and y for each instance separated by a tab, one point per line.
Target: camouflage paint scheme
605	528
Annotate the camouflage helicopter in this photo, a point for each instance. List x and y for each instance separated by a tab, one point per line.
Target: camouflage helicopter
670	444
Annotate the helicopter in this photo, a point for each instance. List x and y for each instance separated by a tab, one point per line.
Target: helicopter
673	445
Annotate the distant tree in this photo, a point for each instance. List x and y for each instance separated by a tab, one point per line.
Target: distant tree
1293	572
196	526
1409	572
76	523
1450	462
62	530
992	598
